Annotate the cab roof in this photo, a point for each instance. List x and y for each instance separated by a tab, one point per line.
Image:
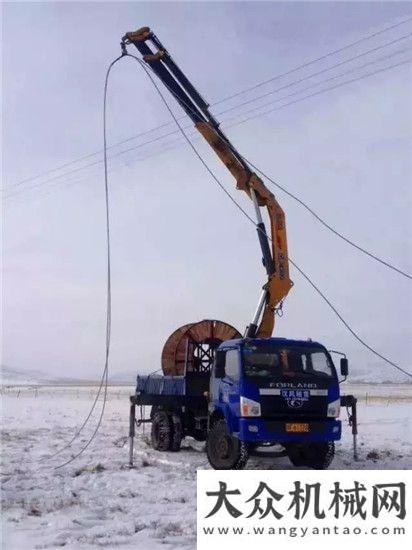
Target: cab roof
281	342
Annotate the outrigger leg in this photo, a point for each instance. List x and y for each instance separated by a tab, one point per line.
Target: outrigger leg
132	420
349	401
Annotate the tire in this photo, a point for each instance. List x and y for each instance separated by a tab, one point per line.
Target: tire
177	433
161	433
314	455
224	451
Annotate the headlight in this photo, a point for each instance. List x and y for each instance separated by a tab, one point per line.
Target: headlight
334	408
248	407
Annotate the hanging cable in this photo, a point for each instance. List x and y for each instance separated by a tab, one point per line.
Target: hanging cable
314	286
346	324
108	284
86	420
325	224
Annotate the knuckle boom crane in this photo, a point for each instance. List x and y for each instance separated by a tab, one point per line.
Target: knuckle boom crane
275	252
235	392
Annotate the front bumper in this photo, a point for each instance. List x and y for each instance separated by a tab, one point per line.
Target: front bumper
265	429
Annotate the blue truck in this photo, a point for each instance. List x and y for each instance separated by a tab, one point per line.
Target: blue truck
249	393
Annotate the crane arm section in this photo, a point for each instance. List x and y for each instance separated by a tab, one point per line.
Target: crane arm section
274	250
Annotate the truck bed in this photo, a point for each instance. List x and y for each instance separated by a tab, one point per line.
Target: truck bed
171	391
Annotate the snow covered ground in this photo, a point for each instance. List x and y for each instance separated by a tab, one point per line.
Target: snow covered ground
97	501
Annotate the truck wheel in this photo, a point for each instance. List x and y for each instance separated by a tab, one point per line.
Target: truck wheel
224	451
161	431
312	455
177	433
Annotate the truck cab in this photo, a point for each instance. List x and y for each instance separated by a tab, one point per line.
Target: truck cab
273	391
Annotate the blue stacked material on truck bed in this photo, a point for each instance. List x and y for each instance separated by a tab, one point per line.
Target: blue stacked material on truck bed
161	385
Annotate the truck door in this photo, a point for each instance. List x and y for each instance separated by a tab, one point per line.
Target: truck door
224	382
230	382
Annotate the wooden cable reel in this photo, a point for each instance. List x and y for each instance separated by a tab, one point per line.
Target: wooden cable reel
191	347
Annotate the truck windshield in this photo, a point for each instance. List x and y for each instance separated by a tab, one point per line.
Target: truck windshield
269	361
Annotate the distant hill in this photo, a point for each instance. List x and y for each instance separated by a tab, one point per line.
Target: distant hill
10	376
27	377
377	374
127	378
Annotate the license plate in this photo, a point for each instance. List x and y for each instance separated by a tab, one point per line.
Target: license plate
297	427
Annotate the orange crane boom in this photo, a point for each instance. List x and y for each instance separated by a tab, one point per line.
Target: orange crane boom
274	249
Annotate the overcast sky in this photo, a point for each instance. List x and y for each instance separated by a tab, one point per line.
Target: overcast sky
180	250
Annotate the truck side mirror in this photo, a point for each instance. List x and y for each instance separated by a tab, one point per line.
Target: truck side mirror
220	364
344	366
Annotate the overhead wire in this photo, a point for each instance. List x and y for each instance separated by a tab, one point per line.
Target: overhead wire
330	227
222	187
314	94
87	156
174	132
92	178
317	217
313	61
94	163
324	70
241	92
